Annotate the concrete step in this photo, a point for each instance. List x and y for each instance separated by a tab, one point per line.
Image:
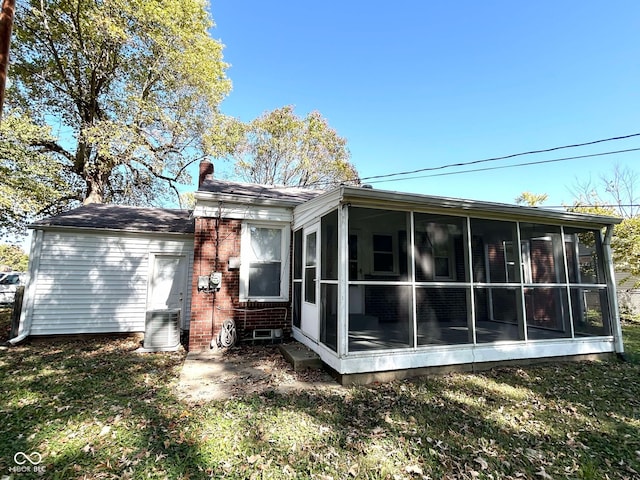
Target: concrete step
300	356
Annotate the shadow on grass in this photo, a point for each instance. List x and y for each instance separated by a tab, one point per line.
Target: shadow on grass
505	424
95	409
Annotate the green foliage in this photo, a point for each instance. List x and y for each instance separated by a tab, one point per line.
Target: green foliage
131	88
32	183
14	258
626	246
280	148
591	209
615	197
531	199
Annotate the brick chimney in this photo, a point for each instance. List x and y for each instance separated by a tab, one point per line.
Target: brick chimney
206	172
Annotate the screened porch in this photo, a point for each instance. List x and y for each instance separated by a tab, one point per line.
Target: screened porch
402	280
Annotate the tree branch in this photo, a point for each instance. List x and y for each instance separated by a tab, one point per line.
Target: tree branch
51	146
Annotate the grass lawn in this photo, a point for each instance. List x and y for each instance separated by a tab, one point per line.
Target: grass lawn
93	409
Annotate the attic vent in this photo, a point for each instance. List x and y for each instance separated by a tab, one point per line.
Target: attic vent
162	330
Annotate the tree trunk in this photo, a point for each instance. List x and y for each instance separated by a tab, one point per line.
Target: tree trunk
95	191
6	22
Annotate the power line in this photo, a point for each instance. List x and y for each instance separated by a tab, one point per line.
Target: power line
493	159
538	162
504	166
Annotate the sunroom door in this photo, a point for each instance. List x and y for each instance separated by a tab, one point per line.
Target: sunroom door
310	324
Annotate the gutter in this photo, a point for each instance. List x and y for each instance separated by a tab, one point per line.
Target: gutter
371	197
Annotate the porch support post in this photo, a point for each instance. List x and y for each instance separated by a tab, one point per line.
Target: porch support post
471	314
517	251
412	278
343	280
612	295
566	279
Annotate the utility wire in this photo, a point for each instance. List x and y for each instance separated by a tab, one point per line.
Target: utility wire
493	159
507	166
325	183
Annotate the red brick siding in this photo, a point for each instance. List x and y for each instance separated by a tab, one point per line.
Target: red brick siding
209	310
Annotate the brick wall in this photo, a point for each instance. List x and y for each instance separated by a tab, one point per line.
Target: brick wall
209	310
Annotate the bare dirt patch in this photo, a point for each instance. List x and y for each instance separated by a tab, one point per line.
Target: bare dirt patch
246	370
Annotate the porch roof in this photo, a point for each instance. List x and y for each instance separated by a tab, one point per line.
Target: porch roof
391	200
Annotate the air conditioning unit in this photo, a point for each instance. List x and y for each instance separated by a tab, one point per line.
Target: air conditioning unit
162	331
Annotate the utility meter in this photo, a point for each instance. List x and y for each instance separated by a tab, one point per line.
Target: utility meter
215	280
203	283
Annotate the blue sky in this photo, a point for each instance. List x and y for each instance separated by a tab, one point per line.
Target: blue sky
414	84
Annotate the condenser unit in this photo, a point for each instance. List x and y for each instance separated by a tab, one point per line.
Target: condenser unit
162	331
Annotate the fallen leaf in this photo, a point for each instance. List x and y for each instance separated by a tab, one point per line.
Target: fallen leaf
544	474
416	469
482	462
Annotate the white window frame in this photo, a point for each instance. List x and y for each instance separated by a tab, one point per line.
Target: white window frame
392	252
450	251
245	260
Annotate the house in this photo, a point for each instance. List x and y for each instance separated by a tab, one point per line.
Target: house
371	280
100	268
628	294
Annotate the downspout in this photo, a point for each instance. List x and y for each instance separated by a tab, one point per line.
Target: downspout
26	316
613	297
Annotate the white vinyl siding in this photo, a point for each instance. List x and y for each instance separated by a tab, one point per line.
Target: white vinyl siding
97	282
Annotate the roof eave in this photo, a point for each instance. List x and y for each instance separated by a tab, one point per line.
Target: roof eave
39	226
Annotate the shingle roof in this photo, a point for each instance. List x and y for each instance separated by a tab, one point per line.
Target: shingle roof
254	190
120	217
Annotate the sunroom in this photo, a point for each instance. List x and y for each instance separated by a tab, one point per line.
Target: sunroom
386	281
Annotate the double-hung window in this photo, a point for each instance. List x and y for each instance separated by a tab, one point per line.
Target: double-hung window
265	251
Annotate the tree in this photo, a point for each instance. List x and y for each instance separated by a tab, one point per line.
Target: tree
617	191
30	183
615	195
531	199
13	258
280	148
130	87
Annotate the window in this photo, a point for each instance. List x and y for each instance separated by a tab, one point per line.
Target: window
439	248
310	268
297	277
263	271
382	253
